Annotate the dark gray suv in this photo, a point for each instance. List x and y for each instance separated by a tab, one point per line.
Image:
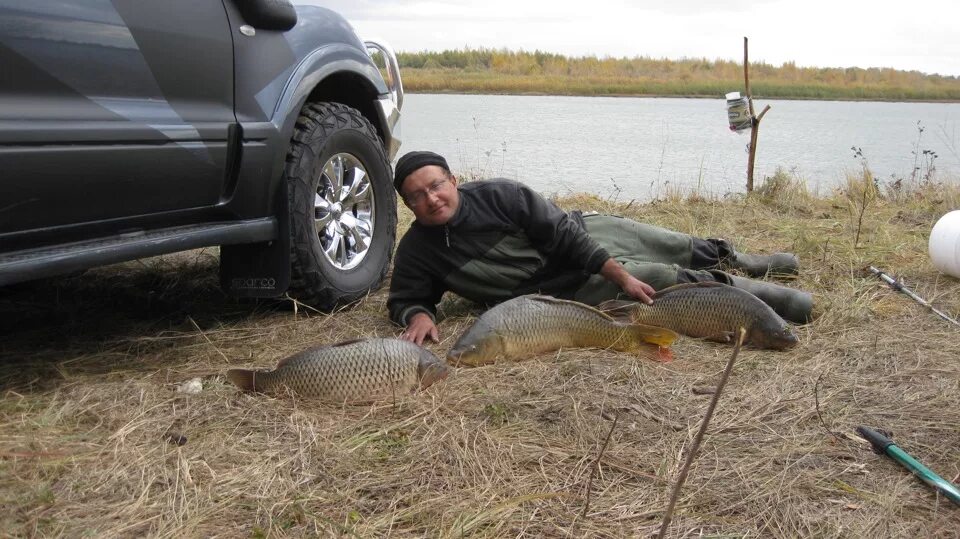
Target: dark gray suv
132	128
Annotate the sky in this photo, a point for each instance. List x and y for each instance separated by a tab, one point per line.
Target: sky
920	35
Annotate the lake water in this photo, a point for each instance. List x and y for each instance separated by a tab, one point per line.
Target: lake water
631	147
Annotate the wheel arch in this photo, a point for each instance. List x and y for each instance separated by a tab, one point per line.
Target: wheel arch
334	74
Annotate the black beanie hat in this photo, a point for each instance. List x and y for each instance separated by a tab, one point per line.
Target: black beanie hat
410	162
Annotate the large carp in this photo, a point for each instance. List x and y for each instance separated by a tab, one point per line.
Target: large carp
361	370
709	310
533	324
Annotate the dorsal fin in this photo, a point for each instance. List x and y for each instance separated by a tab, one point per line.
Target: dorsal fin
618	309
558	301
290	358
344	343
686	286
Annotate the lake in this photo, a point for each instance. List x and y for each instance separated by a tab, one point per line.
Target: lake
643	148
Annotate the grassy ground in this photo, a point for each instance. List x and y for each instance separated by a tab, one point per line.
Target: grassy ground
92	417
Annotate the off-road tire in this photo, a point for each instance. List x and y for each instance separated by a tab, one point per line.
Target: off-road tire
324	130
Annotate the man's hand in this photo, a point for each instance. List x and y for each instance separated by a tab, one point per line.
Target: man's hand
420	327
638	289
613	271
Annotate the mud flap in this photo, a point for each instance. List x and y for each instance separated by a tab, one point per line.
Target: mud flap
259	270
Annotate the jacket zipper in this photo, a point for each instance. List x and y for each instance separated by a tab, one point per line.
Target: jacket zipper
446	233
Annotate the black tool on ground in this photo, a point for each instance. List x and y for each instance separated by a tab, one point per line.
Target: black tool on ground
898	286
883	445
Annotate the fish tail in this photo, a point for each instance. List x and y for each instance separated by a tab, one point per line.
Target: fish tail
654	335
242	378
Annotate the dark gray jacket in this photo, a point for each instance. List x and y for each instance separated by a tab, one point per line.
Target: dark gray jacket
505	240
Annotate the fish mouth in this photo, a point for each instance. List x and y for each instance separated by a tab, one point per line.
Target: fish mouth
461	356
435	373
783	342
455	358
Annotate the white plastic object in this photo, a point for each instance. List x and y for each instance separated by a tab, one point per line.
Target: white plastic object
945	244
738	113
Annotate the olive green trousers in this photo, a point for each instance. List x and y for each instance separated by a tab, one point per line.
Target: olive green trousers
655	255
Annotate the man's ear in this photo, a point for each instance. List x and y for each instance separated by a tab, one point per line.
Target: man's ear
453	179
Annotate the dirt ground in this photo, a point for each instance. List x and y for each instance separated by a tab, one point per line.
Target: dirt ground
97	440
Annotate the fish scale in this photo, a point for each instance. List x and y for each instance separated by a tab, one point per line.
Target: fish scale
528	325
360	370
710	310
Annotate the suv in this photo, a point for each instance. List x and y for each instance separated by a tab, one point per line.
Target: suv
135	128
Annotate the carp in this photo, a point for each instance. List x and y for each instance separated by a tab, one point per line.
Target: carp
533	324
361	370
709	310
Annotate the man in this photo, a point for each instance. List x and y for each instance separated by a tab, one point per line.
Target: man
493	240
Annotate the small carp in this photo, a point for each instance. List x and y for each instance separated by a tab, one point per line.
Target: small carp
709	310
361	370
533	324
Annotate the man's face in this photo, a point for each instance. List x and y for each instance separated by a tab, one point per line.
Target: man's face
431	192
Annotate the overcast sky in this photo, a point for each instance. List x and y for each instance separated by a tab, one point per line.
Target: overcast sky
918	35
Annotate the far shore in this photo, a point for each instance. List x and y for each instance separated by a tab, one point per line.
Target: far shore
417	91
482	71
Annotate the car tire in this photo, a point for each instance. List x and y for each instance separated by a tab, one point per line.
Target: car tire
343	209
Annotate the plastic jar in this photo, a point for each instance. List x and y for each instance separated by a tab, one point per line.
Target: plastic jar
738	112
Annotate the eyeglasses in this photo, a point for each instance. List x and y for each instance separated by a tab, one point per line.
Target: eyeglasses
417	198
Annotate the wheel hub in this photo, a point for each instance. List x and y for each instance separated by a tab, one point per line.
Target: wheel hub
344	211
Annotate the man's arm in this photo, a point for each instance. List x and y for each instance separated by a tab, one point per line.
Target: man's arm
557	234
414	294
613	271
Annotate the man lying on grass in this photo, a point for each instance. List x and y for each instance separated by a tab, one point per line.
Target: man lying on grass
492	240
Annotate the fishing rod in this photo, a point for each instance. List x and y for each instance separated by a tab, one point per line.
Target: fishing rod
898	286
884	446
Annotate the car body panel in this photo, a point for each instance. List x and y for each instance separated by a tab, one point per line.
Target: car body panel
94	109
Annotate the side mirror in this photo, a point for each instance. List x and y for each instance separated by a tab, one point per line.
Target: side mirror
268	14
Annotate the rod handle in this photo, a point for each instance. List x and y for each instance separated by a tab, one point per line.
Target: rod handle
879	441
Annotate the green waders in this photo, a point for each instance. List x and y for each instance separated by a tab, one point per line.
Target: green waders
662	258
655	255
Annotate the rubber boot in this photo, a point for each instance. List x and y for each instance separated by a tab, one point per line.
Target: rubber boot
759	265
792	305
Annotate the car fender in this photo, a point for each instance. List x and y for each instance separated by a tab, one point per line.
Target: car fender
334	59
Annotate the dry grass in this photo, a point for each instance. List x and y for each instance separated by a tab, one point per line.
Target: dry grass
90	410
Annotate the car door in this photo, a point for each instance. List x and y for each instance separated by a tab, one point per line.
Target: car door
112	109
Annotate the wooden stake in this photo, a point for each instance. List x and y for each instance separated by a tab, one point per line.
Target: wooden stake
755	120
695	446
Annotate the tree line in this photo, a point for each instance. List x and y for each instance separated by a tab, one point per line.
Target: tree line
505	71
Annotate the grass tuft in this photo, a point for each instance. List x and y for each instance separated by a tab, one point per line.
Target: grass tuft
91	414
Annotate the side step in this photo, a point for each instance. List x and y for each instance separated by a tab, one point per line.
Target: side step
53	260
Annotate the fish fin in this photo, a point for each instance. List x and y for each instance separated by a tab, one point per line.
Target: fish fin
558	301
684	286
344	343
618	309
725	337
242	378
310	350
655	335
660	354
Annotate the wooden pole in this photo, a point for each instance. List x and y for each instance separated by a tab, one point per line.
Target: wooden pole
695	446
755	120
